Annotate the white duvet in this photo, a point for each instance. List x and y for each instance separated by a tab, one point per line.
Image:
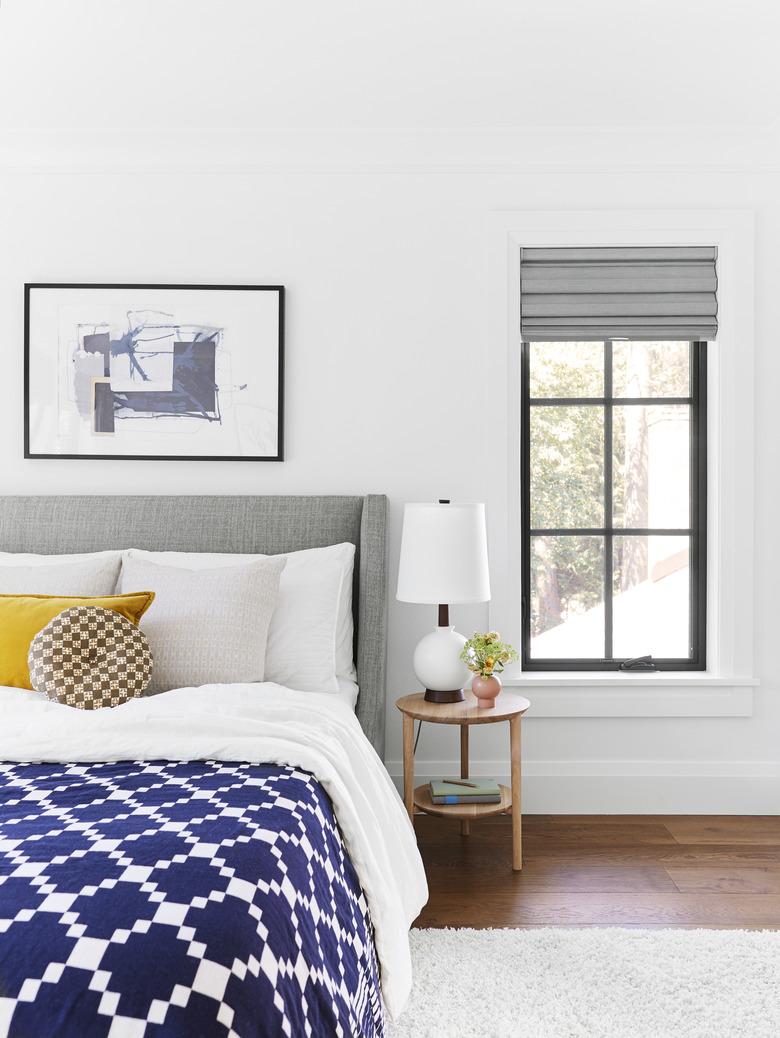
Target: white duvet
255	723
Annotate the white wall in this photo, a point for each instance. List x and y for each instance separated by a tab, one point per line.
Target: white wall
388	390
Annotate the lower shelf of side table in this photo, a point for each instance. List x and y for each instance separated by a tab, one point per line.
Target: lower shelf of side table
422	800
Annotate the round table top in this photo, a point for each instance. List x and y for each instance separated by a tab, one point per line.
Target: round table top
507	705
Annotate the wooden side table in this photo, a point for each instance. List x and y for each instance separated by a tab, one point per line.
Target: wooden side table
508	707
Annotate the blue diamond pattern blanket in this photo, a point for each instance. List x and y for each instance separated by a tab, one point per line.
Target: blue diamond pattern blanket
181	894
179	899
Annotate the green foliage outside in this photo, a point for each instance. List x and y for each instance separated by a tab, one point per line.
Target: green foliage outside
567	467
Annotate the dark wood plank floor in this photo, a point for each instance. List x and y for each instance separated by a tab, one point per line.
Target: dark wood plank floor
591	870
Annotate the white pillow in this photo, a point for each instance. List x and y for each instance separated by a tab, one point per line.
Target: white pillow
206	626
310	639
93	573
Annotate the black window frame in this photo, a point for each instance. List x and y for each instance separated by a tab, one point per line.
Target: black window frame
697	660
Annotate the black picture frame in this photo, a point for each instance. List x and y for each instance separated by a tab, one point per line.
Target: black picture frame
154	372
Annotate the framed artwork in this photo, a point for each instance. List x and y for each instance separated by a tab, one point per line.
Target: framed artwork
168	372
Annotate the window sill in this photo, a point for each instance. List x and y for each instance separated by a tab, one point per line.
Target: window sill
586	694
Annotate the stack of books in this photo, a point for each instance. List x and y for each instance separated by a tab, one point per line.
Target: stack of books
465	791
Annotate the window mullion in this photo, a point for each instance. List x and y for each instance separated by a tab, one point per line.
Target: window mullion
608	502
525	497
697	518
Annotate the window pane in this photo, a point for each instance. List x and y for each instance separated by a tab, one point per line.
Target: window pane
651	607
566	369
567	467
651	466
647	369
567	597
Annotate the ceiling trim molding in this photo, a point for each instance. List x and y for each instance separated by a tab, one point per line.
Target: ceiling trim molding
466	151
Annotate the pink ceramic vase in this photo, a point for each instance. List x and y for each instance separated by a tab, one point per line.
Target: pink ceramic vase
486	690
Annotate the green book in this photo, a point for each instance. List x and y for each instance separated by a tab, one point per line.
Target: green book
476	791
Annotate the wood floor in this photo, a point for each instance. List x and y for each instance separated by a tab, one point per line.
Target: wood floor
643	870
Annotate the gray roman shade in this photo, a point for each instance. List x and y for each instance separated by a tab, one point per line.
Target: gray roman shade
592	294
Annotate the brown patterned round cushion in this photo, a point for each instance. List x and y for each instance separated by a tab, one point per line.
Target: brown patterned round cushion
90	657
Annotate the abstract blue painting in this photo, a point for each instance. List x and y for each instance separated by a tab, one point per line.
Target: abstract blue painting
155	371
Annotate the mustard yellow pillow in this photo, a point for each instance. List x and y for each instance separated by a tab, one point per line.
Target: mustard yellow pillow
23	616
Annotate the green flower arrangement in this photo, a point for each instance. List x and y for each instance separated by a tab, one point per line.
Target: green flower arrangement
486	654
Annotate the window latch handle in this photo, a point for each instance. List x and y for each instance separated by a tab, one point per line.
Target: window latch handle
639	663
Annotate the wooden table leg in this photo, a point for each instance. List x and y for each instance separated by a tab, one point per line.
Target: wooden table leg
517	819
409	766
464	768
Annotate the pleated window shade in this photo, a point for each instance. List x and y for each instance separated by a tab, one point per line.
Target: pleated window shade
648	293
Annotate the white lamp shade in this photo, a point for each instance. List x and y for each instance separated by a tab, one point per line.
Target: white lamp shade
444	556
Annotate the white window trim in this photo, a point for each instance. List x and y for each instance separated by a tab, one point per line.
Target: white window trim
725	689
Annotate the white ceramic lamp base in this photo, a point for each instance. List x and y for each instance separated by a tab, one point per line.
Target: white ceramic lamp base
438	666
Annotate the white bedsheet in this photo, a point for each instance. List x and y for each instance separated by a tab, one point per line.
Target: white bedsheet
255	723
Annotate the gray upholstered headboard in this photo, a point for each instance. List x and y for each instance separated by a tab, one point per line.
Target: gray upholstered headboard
273	524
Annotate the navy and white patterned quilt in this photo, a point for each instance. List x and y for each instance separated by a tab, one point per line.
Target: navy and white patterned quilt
179	900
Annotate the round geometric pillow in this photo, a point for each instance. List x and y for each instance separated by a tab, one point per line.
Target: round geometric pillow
90	657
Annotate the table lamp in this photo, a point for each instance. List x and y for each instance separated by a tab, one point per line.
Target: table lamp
443	561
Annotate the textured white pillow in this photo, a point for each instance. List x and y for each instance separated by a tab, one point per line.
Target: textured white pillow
310	639
94	574
207	625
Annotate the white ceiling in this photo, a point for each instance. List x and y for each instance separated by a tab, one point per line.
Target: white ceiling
388	64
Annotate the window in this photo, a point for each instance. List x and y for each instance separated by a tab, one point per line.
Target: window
613	504
725	687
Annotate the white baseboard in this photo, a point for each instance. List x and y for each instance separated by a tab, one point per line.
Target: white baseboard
627	787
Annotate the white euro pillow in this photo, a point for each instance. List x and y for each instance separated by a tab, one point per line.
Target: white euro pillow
206	626
86	574
310	638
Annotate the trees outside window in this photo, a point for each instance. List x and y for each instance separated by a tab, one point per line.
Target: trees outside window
614	504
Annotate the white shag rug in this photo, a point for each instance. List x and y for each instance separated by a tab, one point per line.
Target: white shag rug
593	983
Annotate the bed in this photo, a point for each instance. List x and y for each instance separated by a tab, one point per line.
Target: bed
223	854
